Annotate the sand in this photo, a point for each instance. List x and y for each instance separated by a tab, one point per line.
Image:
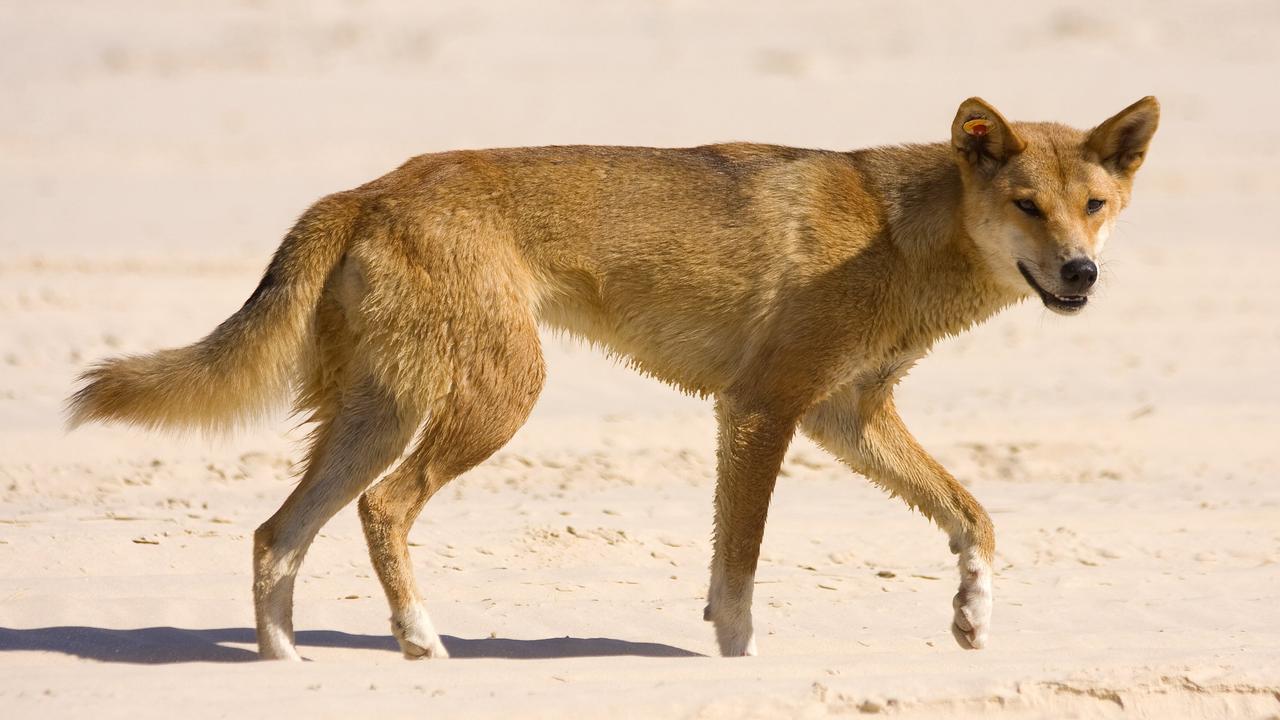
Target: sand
152	154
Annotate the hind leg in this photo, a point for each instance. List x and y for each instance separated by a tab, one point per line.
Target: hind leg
368	432
500	382
387	511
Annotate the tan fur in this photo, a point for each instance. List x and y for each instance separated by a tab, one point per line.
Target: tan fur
796	287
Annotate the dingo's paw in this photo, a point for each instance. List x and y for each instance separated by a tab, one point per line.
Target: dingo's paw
275	642
735	642
731	614
735	637
417	637
972	602
283	651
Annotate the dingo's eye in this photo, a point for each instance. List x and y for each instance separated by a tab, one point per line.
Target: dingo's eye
1094	206
1029	207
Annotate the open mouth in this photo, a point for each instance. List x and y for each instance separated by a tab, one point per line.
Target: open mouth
1061	303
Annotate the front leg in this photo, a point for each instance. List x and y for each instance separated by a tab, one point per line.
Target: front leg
752	445
861	426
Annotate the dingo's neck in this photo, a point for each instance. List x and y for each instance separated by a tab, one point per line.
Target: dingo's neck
938	282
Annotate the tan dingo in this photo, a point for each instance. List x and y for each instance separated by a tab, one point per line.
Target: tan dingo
796	287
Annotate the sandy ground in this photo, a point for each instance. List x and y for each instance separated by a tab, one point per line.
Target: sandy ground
152	153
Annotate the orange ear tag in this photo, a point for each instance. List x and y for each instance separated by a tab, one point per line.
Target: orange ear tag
977	126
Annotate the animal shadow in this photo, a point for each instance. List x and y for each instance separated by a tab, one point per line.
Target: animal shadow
165	645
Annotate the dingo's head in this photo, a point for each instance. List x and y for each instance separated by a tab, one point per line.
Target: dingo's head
1040	199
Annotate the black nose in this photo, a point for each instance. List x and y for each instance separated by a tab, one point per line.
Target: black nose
1080	274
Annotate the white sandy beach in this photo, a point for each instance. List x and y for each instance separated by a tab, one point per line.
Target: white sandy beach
152	154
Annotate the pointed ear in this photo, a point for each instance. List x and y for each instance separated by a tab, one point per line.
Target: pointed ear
1120	143
982	137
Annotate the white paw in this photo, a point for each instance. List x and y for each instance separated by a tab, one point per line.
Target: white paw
736	642
734	635
276	643
731	614
972	602
279	652
418	639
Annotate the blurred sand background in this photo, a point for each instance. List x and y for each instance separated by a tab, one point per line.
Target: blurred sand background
153	153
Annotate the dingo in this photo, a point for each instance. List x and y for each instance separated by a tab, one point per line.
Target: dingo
796	287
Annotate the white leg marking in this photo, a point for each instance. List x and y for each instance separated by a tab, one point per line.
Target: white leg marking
972	602
273	603
732	618
274	644
416	635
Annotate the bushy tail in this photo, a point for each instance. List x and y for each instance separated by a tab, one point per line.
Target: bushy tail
245	366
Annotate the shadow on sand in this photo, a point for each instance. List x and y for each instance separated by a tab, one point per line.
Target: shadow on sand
162	645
